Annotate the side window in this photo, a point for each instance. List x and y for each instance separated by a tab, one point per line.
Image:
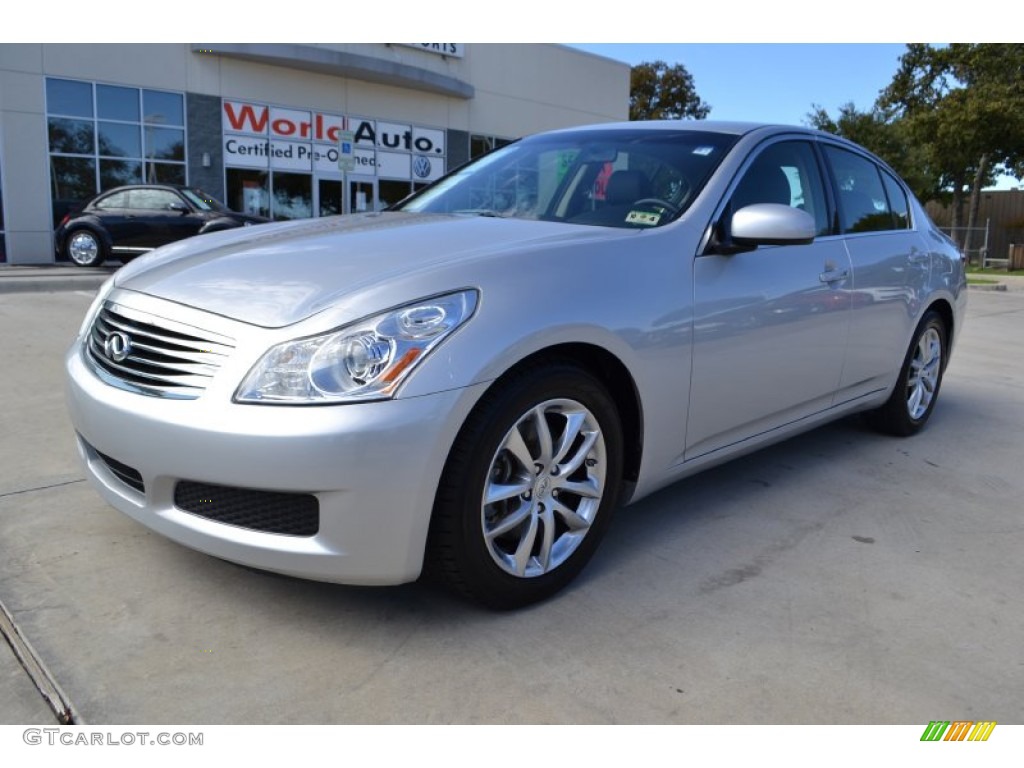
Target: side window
897	202
116	200
153	199
863	205
786	173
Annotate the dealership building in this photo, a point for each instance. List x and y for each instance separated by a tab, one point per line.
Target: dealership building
282	130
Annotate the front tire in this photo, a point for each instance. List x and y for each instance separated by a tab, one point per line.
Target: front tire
529	487
917	389
84	248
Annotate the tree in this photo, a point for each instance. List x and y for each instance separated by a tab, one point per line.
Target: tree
963	102
660	92
877	130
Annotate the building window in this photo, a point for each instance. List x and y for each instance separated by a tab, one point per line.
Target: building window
391	192
248	191
481	145
292	196
105	136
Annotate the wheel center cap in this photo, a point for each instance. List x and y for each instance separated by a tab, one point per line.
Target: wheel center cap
542	487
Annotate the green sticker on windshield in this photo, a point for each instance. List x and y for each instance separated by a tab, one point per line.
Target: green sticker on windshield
643	218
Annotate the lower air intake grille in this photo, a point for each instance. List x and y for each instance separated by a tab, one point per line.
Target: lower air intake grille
127	475
292	514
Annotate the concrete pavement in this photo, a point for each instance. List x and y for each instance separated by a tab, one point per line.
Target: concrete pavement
840	577
21	702
52	277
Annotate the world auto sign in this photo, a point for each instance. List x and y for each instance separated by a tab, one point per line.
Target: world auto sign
266	137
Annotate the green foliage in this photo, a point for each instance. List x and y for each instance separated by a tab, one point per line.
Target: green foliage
878	131
949	120
964	101
658	91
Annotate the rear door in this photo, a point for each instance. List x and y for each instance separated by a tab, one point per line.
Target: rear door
891	268
770	324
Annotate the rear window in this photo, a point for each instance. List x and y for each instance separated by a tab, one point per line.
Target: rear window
116	200
863	202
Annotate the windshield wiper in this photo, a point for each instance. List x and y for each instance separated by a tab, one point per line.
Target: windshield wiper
490	213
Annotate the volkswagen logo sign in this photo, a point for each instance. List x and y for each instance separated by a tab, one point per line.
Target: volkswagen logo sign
421	166
117	346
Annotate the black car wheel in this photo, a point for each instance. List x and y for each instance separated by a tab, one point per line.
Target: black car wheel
84	248
917	389
529	487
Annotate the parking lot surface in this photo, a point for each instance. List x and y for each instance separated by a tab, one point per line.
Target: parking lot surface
839	577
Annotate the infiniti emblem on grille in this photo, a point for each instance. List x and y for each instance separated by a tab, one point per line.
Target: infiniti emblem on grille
117	346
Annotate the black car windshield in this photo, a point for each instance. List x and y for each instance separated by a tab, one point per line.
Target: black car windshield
613	178
203	201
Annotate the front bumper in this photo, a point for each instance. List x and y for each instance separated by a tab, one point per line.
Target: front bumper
373	468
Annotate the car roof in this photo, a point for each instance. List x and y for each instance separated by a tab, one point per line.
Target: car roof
708	126
734	128
176	187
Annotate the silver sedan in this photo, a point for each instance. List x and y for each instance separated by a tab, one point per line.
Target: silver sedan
471	382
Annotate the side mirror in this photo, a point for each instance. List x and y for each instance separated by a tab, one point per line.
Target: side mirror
771	224
179	207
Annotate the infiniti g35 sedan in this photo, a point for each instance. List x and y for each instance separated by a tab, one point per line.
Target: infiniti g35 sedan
470	383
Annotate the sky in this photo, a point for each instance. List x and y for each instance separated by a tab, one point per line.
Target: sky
771	82
775	82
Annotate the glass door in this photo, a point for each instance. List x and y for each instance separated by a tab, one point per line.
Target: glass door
362	195
330	199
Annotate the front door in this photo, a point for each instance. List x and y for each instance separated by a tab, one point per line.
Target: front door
771	325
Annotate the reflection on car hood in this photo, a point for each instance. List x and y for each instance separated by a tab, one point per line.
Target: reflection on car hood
277	274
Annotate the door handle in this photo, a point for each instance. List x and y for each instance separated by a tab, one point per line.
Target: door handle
834	275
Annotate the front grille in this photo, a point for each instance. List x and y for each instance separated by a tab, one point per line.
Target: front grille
154	355
127	475
292	514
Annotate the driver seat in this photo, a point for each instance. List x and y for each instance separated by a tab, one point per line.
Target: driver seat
626	187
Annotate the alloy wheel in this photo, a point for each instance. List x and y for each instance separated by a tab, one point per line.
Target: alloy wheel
544	488
923	378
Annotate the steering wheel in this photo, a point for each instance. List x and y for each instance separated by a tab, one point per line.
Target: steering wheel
670	207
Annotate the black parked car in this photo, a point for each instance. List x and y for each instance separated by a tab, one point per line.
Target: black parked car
128	221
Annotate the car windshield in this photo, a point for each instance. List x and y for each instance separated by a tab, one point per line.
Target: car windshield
202	200
612	178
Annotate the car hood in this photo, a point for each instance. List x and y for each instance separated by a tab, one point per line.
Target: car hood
277	274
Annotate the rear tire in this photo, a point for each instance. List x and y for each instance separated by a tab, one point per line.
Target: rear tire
917	388
529	487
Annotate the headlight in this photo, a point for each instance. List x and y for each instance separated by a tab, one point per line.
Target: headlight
94	308
366	360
